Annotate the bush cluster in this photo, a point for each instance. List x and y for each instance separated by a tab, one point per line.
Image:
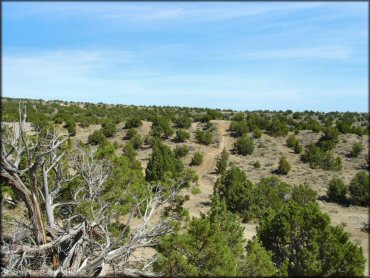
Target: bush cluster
183	121
204	137
357	148
329	139
358	190
337	190
244	145
239	128
162	162
182	136
284	166
131	132
136	141
161	128
222	162
317	158
197	159
96	138
181	151
109	129
133	122
70	125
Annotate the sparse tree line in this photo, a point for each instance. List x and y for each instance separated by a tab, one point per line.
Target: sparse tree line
275	123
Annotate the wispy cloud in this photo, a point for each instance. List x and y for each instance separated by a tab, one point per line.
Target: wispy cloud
87	75
136	12
320	53
90	74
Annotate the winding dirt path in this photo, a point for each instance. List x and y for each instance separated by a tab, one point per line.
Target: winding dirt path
199	203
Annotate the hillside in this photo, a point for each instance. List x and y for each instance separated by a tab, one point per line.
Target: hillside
308	127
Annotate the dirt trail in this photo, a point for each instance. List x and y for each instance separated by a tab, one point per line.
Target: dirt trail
199	203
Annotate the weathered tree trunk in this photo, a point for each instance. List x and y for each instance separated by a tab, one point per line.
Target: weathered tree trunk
48	199
30	198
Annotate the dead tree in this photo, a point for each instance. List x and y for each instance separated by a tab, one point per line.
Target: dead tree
73	244
34	152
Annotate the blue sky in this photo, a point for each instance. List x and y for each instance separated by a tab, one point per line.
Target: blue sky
243	56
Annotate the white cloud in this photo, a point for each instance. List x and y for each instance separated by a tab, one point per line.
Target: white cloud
101	75
143	12
331	53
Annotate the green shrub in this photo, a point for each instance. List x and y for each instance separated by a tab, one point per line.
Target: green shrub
317	158
297	148
210	246
181	151
162	161
258	261
106	150
133	122
204	137
70	125
337	190
183	122
244	145
151	140
84	122
278	127
197	159
257	133
161	128
329	139
129	151
97	137
109	129
136	141
313	155
303	194
358	130
235	189
357	148
284	166
291	141
257	164
205	118
181	135
238	117
195	190
239	128
270	193
328	162
222	162
359	189
303	243
313	125
131	132
344	127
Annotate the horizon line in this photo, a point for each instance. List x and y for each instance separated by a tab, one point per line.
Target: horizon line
176	106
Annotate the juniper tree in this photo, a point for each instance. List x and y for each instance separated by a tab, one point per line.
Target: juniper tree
222	162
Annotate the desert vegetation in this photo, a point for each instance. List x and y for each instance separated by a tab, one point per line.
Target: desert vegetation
99	189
